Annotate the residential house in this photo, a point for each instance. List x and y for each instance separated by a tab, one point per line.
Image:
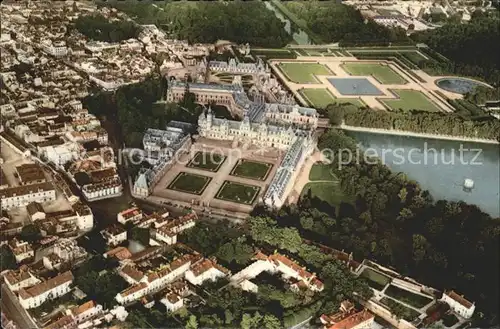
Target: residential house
36	295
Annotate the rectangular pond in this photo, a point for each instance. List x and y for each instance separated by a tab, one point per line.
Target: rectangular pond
355	87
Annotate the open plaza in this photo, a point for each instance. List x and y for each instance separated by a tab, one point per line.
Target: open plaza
383	79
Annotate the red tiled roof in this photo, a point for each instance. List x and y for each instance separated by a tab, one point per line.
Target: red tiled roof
460	299
42	287
133	289
132	272
353	320
77	310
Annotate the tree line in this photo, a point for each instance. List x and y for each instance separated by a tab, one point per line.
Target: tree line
470	46
335	22
207	22
99	28
416	121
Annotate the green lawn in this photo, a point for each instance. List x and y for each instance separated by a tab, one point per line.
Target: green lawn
251	169
410	100
237	192
321	171
320	98
327	191
383	73
207	161
407	297
375	279
303	72
189	183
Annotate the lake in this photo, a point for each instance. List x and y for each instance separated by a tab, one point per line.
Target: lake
440	167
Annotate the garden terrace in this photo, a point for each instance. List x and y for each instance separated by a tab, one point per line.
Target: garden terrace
189	183
237	192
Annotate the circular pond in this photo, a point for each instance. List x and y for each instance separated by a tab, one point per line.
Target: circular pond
459	85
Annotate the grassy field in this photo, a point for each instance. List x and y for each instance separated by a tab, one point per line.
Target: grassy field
383	73
251	169
327	191
410	100
375	279
321	172
320	98
303	72
206	161
237	192
189	183
407	297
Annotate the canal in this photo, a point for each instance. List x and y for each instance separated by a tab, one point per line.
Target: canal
440	167
300	37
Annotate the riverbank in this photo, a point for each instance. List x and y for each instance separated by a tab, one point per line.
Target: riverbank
420	135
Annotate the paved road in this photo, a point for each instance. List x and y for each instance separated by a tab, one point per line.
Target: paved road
14	310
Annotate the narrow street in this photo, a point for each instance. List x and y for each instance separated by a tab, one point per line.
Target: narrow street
14	311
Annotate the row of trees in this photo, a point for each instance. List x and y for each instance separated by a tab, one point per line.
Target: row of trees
207	22
348	26
468	46
99	28
481	95
393	221
416	121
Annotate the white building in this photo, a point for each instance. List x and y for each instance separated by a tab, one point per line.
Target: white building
21	196
85	311
154	281
206	270
168	231
21	249
233	67
172	302
129	215
459	304
103	190
36	295
22	278
114	235
55	48
178	141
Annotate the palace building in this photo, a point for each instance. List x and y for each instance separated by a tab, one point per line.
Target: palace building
266	125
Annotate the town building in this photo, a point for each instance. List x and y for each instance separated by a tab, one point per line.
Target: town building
114	235
142	284
296	275
30	173
65	322
21	278
21	196
85	311
21	249
120	253
36	295
178	140
172	302
207	269
168	232
234	67
132	215
459	304
348	318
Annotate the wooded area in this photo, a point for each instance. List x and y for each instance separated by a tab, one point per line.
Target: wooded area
99	28
207	22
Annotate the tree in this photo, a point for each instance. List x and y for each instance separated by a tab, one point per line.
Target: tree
192	323
271	322
30	233
8	260
419	247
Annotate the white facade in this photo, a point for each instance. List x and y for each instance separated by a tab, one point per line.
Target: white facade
86	311
459	304
14	197
105	190
19	279
114	238
172	302
130	215
85	222
35	296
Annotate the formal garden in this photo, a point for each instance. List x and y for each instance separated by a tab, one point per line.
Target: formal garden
320	98
189	183
380	71
375	279
207	161
408	100
251	169
237	192
303	72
